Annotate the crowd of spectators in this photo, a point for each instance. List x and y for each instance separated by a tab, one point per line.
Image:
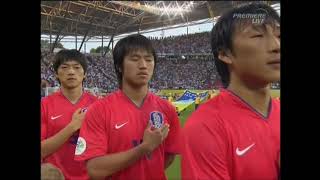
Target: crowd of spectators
184	44
183	71
184	74
169	74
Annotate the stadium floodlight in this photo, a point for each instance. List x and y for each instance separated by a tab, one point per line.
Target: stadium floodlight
173	8
276	7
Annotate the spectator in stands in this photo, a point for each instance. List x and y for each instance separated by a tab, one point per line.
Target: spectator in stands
192	43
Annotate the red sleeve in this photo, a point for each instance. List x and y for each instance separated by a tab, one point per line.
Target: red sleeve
172	142
204	150
44	121
93	141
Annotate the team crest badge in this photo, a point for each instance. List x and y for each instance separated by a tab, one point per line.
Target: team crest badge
156	119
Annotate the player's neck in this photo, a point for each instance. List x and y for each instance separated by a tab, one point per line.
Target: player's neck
257	97
136	94
73	95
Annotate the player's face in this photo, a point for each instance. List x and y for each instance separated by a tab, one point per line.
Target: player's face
138	68
256	53
70	74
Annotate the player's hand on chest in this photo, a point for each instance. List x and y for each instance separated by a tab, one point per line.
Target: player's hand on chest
127	127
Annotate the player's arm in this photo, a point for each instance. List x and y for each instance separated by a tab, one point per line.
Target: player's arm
103	166
168	159
52	144
100	167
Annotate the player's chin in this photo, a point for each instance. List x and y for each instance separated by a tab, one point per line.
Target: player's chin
274	78
72	85
141	83
271	75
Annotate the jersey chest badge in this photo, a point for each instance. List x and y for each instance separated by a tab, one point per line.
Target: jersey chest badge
156	119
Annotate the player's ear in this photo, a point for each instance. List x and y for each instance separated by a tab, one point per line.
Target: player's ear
225	56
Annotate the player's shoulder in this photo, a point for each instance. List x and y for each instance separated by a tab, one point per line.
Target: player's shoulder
89	95
213	105
108	100
209	108
98	106
50	98
154	97
208	113
114	96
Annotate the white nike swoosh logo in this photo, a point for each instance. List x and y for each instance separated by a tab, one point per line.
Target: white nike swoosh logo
55	117
242	152
118	127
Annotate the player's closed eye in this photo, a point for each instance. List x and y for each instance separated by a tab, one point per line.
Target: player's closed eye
257	36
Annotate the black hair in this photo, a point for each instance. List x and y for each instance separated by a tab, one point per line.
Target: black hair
127	45
67	55
223	31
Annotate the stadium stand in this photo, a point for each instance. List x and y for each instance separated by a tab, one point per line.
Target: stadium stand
171	73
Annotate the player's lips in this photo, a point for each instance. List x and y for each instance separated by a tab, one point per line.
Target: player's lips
276	61
71	79
274	64
142	74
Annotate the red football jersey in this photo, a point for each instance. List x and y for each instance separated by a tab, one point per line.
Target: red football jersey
56	113
115	124
226	139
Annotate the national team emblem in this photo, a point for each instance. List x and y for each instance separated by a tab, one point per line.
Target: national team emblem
156	119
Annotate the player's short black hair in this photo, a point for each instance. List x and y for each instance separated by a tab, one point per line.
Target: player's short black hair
67	55
223	31
125	46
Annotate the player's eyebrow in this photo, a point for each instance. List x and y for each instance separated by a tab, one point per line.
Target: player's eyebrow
259	27
137	55
134	55
71	64
263	27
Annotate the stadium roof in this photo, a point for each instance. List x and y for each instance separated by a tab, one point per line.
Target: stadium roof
97	18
